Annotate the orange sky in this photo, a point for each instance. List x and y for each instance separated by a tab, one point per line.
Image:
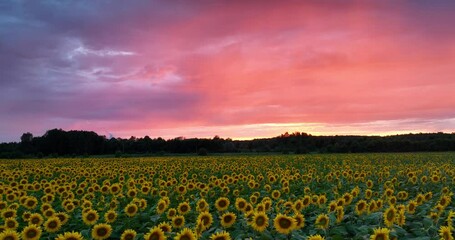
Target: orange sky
238	69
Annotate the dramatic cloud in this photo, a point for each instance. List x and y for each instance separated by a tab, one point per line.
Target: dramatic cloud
239	69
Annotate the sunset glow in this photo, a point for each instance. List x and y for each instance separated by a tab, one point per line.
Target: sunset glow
237	69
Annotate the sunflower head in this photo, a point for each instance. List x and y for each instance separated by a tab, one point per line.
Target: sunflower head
315	237
165	227
110	216
128	234
220	236
9	234
185	234
131	209
222	204
90	217
300	221
52	224
260	221
284	224
155	234
389	216
228	219
101	231
184	208
11	223
322	221
178	221
161	206
206	219
380	234
63	217
445	232
202	205
31	232
360	207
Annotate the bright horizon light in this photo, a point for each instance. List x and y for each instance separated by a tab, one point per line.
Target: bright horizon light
236	69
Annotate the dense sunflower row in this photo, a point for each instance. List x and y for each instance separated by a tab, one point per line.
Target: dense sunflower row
355	196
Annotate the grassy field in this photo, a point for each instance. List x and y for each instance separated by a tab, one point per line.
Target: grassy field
332	196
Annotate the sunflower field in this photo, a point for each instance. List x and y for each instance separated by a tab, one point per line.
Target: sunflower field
327	196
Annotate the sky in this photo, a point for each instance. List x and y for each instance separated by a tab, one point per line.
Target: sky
237	69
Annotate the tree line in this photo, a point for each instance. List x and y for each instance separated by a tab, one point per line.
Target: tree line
60	143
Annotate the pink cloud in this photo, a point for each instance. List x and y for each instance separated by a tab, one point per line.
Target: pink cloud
230	66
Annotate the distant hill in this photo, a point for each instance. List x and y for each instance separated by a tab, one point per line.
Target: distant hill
57	142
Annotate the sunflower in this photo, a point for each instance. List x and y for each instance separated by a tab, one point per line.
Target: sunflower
131	209
315	237
185	234
228	219
9	213
202	205
132	193
368	194
400	218
389	216
11	223
332	206
284	224
300	219
428	196
155	234
322	221
31	203
115	189
260	221
36	218
31	232
339	213
380	234
110	216
347	198
445	201
276	194
306	201
360	207
69	207
9	234
128	234
49	213
260	207
392	200
52	224
248	208
267	204
26	216
181	189
411	207
379	204
178	221
165	227
183	208
90	217
70	236
322	200
220	236
206	219
101	231
63	217
249	217
161	206
222	204
446	233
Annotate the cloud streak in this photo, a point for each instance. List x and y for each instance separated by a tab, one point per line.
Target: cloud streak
172	68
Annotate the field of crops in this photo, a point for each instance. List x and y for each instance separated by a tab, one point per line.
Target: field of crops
346	196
